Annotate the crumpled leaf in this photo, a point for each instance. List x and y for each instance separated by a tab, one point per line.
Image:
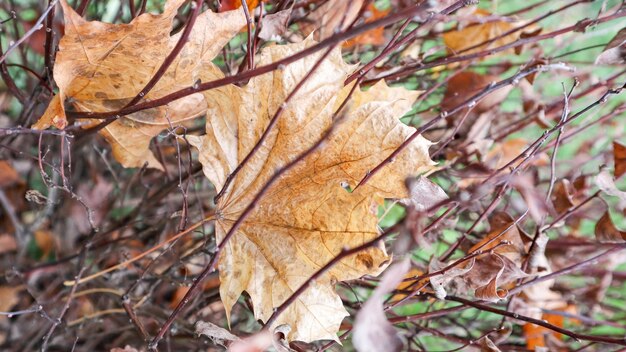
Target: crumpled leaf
489	274
100	67
619	159
424	194
503	230
466	84
476	33
331	16
372	330
274	25
374	36
561	196
217	334
615	50
306	217
227	5
606	231
440	281
607	185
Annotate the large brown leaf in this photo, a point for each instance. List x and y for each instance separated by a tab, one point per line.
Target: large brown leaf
101	66
306	218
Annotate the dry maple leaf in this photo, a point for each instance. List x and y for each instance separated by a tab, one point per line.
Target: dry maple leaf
306	217
101	66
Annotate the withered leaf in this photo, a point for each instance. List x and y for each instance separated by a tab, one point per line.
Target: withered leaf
606	184
477	33
561	196
372	330
615	50
306	217
331	16
607	232
100	67
619	159
466	84
374	36
274	25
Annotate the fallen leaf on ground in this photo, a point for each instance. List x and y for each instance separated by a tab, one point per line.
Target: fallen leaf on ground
100	67
372	331
307	217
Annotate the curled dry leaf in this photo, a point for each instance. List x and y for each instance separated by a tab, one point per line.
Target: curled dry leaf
372	331
100	67
440	281
274	25
424	193
562	196
607	232
217	334
466	84
477	33
331	16
607	185
374	36
615	50
619	159
504	235
227	5
306	217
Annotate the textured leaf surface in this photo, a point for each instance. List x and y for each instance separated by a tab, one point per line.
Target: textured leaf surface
101	66
306	217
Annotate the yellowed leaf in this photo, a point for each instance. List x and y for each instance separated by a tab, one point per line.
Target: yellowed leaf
100	67
307	217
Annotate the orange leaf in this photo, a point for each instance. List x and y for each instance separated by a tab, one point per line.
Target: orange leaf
227	5
374	36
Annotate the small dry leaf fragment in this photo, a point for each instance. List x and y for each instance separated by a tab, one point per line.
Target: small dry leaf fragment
619	159
374	36
372	330
100	67
424	193
274	25
9	296
466	84
504	236
486	345
607	185
306	217
228	5
440	281
607	232
615	50
217	334
331	16
126	348
477	33
561	196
